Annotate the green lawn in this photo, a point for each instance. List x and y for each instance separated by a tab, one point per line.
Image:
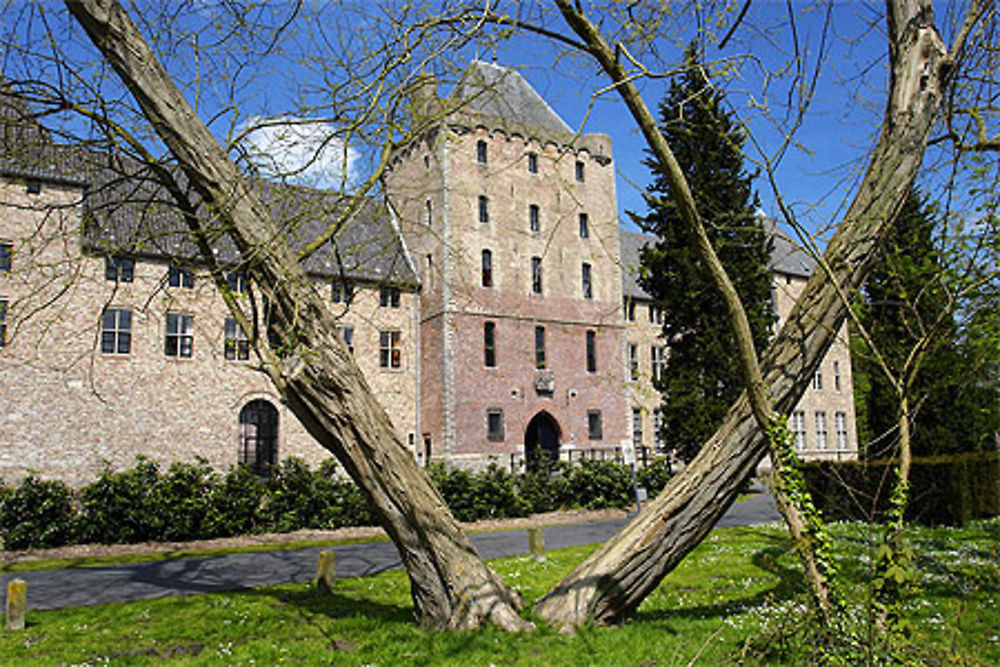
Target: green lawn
741	582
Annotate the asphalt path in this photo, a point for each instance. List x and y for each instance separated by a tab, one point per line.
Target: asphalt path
77	587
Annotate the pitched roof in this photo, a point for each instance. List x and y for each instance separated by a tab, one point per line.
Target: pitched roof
503	94
787	257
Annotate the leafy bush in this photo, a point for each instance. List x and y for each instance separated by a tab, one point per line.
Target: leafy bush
237	501
457	487
294	500
346	504
655	475
38	513
119	507
600	484
183	499
496	495
546	489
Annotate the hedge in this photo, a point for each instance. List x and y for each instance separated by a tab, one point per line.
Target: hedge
193	501
945	490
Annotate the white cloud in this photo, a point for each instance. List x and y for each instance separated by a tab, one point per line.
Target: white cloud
301	151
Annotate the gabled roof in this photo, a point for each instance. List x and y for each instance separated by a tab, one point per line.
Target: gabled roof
787	257
503	94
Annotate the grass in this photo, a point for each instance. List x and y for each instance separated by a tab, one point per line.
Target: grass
739	582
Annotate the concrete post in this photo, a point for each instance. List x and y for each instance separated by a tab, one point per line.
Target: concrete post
536	543
326	571
17	604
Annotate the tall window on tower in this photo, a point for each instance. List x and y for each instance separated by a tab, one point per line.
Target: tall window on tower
481	152
584	226
487	277
539	347
490	344
588	289
591	352
579	171
534	218
536	275
484	209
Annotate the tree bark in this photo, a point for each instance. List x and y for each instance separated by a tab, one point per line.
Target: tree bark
311	369
610	585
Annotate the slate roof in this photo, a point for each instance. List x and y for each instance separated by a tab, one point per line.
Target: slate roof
786	257
505	95
127	211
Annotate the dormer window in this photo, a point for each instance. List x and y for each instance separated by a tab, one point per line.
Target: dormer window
119	269
180	277
33	187
481	152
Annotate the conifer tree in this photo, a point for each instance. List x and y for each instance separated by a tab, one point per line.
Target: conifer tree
703	376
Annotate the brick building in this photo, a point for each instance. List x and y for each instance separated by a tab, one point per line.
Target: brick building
491	303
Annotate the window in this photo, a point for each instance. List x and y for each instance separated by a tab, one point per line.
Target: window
633	361
490	344
180	277
119	269
584	226
388	349
836	375
116	331
341	292
237	281
591	352
799	429
636	428
659	362
629	310
484	209
481	152
658	435
388	296
539	347
235	346
579	171
429	270
534	224
3	322
33	187
347	335
820	430
536	275
655	314
258	436
428	213
6	256
818	380
595	430
585	277
487	278
494	425
841	421
532	163
180	335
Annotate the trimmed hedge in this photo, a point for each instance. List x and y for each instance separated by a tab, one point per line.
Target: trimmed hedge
192	501
945	490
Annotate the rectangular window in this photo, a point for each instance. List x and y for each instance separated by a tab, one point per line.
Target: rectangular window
539	347
841	420
347	335
658	435
119	269
532	163
629	310
341	292
487	277
6	256
591	352
536	275
428	213
836	375
818	380
484	209
490	344
180	277
33	187
388	296
820	430
534	222
595	429
799	429
494	425
579	171
235	346
636	428
584	226
3	322
655	314
237	281
116	331
659	362
481	152
179	341
388	347
585	278
633	361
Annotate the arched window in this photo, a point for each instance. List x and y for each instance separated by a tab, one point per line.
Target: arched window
258	435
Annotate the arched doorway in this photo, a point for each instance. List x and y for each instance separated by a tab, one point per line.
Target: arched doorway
258	435
541	440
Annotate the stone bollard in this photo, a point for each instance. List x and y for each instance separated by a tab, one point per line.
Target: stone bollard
326	571
536	543
17	603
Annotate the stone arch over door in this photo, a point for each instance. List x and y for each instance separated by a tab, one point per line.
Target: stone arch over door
541	440
258	435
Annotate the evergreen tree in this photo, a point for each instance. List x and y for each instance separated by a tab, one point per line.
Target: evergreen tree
703	377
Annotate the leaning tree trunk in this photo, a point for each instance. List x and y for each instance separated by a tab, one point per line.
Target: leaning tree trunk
611	584
312	370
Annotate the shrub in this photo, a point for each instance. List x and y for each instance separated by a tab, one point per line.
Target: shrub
457	487
237	504
183	499
496	496
347	505
38	513
600	484
118	507
655	475
546	489
294	500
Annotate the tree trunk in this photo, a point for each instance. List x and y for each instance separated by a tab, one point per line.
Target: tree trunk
610	585
311	369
